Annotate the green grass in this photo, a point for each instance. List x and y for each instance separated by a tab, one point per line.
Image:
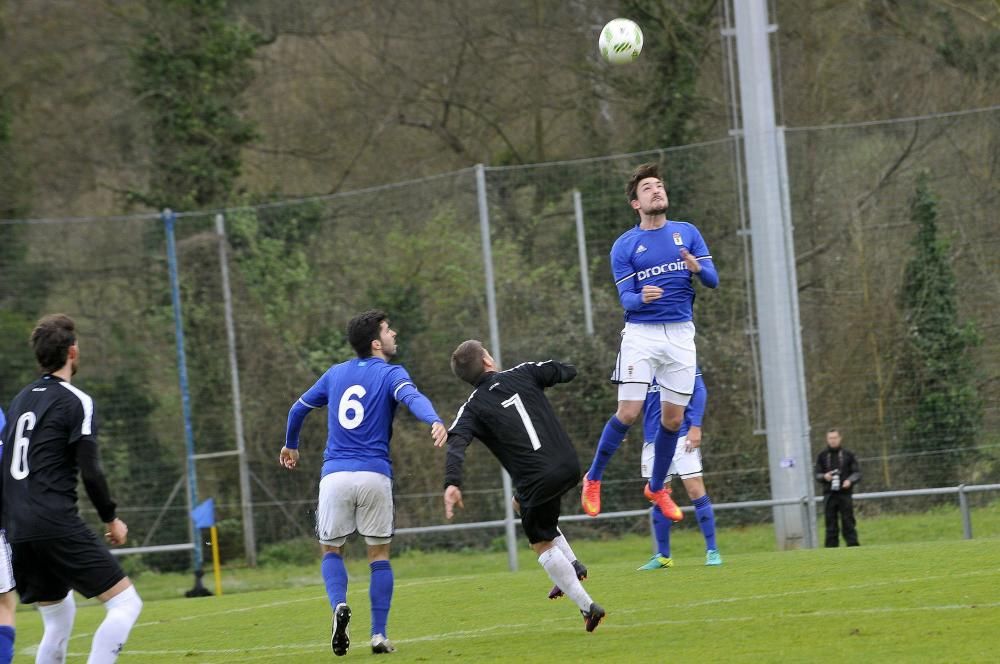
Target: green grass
893	599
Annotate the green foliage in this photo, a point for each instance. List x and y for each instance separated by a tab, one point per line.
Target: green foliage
298	551
938	371
189	73
976	55
679	38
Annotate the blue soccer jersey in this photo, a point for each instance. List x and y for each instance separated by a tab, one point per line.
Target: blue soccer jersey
361	396
694	414
653	257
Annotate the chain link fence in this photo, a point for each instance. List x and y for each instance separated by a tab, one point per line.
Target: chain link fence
298	270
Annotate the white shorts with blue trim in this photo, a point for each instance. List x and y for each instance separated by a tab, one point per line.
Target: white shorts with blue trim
686	463
354	501
665	351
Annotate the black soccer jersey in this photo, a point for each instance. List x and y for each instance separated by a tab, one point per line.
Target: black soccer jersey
46	425
509	412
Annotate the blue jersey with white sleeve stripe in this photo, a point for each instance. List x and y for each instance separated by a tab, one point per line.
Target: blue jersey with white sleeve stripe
653	257
361	396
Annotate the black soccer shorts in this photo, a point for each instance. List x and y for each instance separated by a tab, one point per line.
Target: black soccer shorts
46	569
540	522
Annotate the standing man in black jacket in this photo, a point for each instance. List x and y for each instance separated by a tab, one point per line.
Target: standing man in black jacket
509	412
838	470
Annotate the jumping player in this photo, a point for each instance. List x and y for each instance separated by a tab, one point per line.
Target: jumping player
654	264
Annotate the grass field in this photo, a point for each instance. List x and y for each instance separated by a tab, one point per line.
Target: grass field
912	601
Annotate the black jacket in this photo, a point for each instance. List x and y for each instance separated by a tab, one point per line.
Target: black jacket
839	459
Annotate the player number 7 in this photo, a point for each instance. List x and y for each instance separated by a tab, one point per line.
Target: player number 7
516	402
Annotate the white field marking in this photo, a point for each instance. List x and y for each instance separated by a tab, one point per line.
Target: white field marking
720	600
270	652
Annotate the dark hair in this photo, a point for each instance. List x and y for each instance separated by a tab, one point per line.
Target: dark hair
641	172
836	431
467	361
51	339
365	328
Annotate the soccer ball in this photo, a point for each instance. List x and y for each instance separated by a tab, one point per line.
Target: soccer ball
621	41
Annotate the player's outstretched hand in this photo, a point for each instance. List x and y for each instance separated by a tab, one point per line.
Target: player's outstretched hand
116	533
289	458
452	499
439	432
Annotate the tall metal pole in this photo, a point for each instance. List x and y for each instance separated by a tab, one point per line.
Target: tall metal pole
169	218
246	498
787	422
491	307
581	243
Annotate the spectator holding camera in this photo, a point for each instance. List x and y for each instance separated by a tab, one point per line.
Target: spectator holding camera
838	470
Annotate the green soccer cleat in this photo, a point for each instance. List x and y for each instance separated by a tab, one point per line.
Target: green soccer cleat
657	562
712	557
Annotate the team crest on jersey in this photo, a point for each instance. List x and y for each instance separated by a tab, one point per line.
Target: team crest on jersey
640	249
677	240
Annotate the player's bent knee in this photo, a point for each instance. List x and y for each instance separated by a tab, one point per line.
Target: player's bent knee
126	605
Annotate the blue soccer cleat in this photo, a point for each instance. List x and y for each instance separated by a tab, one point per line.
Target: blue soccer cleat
712	557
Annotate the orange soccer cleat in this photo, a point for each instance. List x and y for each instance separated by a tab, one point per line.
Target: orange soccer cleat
663	500
590	498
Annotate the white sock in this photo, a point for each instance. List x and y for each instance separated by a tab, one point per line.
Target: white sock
58	622
109	639
563	575
564	546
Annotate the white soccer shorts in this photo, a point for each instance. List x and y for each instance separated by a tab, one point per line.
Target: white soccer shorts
6	568
665	351
355	501
686	463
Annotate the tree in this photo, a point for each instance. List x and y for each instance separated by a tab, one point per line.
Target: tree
945	408
189	73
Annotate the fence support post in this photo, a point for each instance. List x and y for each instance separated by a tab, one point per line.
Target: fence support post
963	503
491	306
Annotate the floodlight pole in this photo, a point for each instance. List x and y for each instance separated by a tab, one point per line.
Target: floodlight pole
775	283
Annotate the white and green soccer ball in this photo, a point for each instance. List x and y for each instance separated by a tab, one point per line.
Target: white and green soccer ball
621	41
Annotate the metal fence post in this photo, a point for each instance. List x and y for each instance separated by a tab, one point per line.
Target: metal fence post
963	503
169	218
246	498
581	243
491	305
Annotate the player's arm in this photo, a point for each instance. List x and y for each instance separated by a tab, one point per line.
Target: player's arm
460	435
550	372
453	469
96	485
315	397
624	275
695	412
699	261
406	393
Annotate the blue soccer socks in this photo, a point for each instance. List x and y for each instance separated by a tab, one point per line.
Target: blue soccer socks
380	594
611	438
335	578
706	520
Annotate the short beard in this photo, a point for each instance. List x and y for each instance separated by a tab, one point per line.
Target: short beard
653	211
